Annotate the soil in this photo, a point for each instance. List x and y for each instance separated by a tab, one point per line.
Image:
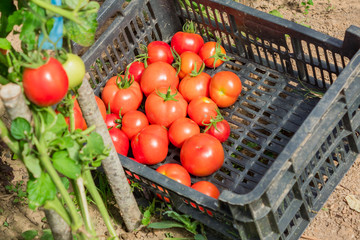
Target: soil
336	220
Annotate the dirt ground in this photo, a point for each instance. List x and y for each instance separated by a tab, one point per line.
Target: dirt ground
335	221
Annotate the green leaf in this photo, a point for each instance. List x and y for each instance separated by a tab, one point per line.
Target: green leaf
54	127
66	182
20	128
16	18
199	237
47	235
5	44
32	163
276	13
165	224
66	165
40	190
95	146
29	235
7	7
84	34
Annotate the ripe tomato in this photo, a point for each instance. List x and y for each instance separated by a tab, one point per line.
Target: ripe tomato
133	122
175	172
225	88
207	188
219	129
123	94
182	129
202	154
150	145
158	75
112	120
164	106
187	62
46	85
187	40
159	51
136	69
101	106
120	140
213	54
202	109
193	86
75	69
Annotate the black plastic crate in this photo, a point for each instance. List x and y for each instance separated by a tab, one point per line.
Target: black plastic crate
288	149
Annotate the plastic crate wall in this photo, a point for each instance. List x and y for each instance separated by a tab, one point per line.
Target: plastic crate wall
279	182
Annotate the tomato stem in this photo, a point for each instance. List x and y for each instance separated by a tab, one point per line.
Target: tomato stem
57	206
213	121
167	96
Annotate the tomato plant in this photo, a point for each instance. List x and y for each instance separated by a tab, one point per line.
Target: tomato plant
123	94
225	88
182	129
186	63
207	188
133	122
75	69
156	75
175	172
120	140
159	51
164	105
47	84
202	109
213	54
150	145
194	85
202	154
187	40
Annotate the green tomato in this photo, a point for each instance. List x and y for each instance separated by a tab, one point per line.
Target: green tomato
75	69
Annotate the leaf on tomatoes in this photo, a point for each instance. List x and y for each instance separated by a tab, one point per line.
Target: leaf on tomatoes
40	190
20	128
84	34
66	165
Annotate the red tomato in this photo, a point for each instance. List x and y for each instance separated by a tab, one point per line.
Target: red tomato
182	129
225	88
112	120
220	130
193	86
136	69
158	75
46	85
78	118
164	106
133	122
159	51
175	172
188	62
187	40
120	140
150	145
207	188
213	54
122	94
202	154
101	106
201	110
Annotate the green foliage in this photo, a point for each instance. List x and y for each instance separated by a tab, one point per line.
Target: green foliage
33	234
20	195
29	234
306	4
276	13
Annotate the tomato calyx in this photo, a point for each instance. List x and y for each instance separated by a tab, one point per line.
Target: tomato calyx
189	27
177	60
218	54
34	59
124	82
167	96
213	121
195	73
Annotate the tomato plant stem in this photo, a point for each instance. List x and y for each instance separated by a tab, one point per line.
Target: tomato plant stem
45	161
4	134
59	209
90	185
65	13
79	190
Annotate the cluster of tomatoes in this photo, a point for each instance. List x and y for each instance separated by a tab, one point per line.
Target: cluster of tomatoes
181	107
